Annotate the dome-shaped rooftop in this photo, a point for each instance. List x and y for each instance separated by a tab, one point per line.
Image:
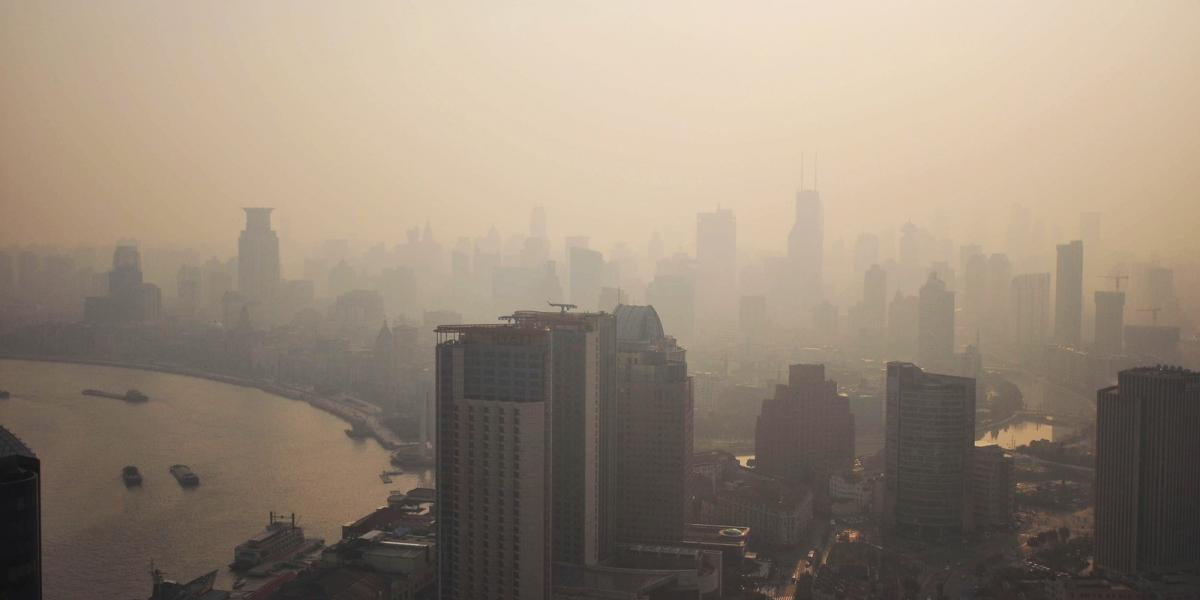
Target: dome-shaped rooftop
638	324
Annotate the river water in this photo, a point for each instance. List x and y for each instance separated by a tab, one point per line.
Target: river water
1022	433
254	453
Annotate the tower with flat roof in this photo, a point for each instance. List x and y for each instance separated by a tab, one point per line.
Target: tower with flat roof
928	449
1148	471
1068	295
527	451
258	256
806	428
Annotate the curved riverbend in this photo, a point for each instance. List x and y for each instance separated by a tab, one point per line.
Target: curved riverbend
254	451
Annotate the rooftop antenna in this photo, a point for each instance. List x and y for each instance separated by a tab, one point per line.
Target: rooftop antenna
816	174
563	308
801	171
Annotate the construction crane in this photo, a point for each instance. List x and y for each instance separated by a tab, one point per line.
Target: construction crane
1116	279
562	307
1153	313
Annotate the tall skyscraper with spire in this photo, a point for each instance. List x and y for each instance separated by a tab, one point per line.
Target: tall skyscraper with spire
258	256
806	243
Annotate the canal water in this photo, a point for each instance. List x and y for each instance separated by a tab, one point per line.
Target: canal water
254	453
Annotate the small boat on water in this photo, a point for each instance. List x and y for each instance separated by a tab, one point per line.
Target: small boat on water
131	476
129	396
4	394
184	475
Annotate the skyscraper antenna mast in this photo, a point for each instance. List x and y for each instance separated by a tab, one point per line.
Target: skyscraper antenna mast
816	174
801	171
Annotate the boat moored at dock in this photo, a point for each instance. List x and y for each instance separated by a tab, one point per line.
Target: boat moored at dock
278	540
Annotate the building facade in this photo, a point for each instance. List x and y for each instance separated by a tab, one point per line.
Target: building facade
493	462
806	428
654	397
20	520
928	449
993	487
1148	471
1029	310
527	451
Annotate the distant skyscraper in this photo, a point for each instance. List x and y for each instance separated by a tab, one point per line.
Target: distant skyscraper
527	451
20	520
874	300
716	267
806	244
1153	343
928	450
125	279
1068	294
129	298
654	398
258	256
673	297
752	316
995	305
1029	310
903	312
975	292
537	222
188	289
1148	471
806	428
587	276
654	250
611	298
866	252
1110	322
935	324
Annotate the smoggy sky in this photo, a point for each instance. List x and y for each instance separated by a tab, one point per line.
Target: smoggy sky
158	120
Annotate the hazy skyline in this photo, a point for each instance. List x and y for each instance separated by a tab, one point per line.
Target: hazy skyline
159	120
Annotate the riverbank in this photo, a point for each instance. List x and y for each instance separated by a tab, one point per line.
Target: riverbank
348	408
